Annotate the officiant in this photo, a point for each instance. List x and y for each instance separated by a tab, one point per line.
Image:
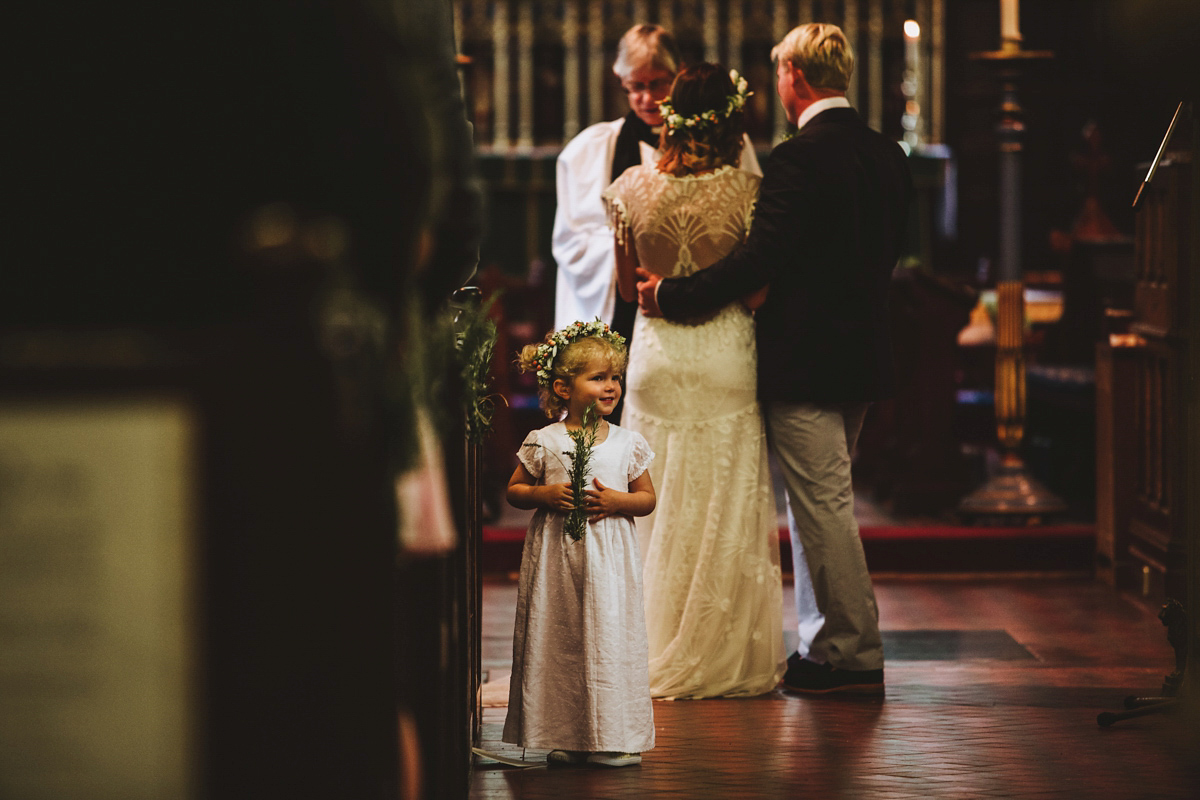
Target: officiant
582	243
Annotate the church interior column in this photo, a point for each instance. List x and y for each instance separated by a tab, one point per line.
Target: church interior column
924	17
875	64
457	12
500	69
641	14
735	35
937	72
780	26
595	56
570	34
850	28
666	14
712	31
525	74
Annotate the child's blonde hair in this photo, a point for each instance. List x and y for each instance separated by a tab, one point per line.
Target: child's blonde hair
561	357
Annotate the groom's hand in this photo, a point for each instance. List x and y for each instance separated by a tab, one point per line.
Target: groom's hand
646	289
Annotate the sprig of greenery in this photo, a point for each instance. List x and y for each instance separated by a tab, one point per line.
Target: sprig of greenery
581	462
475	342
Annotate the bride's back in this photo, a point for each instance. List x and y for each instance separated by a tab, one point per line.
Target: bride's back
681	225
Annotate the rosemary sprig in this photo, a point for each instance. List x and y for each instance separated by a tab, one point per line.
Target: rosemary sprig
581	461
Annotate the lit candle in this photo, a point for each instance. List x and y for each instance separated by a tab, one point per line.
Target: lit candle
910	120
912	38
1009	15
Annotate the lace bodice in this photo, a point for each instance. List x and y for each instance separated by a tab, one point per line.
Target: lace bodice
681	225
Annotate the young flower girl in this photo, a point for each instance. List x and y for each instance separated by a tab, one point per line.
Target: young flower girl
580	684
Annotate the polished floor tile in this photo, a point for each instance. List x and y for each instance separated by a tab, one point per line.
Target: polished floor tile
962	718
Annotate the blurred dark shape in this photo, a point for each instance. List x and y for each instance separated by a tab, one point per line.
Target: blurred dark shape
146	134
251	191
455	211
1092	224
1155	42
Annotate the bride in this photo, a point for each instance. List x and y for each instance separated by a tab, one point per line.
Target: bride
711	549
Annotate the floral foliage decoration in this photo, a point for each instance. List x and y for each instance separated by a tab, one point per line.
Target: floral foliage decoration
676	122
475	341
560	339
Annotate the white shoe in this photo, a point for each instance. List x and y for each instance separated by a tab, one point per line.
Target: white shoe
615	759
566	758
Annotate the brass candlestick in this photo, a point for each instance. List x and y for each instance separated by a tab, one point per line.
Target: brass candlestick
1011	493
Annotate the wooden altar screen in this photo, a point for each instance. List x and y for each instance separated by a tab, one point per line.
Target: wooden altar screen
1151	375
541	69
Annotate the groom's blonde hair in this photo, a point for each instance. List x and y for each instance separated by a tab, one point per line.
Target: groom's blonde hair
821	52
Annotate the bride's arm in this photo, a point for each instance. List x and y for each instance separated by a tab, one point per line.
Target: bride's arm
626	264
753	301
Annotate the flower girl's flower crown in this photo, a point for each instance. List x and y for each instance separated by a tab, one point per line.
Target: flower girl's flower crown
560	339
705	119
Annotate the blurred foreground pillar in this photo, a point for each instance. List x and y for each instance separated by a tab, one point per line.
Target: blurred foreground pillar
208	276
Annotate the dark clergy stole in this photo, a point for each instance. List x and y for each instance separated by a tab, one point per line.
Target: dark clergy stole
627	153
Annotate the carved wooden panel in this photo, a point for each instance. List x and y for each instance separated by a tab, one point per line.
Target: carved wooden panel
1116	449
1162	247
1162	261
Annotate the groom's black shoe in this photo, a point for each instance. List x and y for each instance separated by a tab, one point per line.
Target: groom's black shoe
810	677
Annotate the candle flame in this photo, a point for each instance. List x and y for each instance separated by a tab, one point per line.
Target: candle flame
911	29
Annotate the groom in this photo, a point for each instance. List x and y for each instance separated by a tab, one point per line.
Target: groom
827	232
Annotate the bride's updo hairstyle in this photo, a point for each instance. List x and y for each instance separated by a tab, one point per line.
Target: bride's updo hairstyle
702	90
567	362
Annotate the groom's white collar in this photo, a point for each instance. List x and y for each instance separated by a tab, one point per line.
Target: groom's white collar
824	104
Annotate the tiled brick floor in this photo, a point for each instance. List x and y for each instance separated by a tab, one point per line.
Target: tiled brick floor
963	728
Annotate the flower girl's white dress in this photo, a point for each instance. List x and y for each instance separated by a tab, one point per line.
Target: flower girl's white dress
579	679
711	547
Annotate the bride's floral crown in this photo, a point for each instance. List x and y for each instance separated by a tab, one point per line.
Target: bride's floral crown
706	119
562	338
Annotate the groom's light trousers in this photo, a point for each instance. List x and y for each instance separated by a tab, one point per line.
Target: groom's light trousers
813	444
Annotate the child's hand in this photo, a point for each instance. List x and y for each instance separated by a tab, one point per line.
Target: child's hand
525	492
605	502
556	497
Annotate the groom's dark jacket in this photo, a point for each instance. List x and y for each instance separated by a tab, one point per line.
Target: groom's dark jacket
827	232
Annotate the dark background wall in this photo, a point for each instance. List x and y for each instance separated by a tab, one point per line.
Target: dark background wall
1121	64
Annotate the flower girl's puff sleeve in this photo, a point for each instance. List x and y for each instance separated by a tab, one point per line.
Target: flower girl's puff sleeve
532	455
640	456
615	209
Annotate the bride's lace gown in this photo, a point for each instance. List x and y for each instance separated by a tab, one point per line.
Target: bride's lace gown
711	548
